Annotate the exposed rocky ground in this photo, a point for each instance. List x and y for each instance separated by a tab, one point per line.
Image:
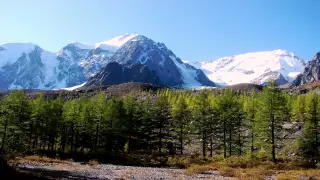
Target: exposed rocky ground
72	170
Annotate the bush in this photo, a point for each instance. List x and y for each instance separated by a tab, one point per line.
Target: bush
185	161
262	154
93	162
199	169
44	159
227	172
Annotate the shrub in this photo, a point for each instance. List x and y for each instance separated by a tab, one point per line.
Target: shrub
43	159
93	162
185	161
227	172
199	169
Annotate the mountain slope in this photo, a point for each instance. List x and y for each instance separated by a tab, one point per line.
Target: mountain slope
26	65
114	73
256	67
159	59
311	72
115	43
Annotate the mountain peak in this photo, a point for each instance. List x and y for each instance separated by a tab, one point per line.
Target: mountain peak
115	43
19	46
10	52
281	52
82	45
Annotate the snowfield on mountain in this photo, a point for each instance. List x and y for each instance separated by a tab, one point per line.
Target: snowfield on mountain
255	67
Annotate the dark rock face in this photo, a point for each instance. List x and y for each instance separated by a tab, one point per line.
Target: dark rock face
311	72
114	73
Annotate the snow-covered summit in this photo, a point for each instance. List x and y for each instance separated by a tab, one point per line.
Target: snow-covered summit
10	52
115	43
254	67
82	45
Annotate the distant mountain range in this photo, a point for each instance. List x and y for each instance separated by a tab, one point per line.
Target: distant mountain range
134	57
255	67
27	66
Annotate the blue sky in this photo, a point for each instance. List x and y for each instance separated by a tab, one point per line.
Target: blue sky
192	29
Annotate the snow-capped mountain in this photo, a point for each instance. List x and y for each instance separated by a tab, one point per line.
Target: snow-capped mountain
128	50
27	66
114	44
159	59
255	67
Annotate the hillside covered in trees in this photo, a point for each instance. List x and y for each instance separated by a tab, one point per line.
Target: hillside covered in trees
149	127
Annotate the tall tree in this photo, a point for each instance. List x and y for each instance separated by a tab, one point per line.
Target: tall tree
271	111
250	110
201	117
100	115
298	108
309	141
180	121
16	116
160	118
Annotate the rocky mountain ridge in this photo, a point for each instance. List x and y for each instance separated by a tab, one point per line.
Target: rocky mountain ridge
311	72
27	66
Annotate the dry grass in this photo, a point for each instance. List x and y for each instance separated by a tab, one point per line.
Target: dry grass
93	162
43	159
242	168
228	172
199	169
298	174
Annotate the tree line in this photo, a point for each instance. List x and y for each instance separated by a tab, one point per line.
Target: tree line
226	123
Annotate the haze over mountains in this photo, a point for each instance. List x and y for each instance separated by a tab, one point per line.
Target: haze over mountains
136	58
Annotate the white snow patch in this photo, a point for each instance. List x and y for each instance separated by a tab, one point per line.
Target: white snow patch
188	75
115	43
73	87
82	45
50	64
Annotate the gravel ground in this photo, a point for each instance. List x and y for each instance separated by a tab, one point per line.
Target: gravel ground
72	170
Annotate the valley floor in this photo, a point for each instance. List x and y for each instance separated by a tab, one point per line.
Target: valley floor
46	168
73	170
